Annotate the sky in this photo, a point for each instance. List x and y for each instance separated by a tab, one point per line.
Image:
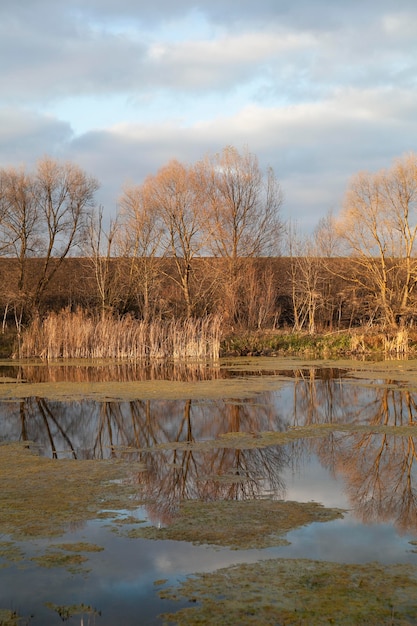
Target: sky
317	89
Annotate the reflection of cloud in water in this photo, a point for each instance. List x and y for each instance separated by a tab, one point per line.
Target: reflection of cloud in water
312	481
121	581
348	541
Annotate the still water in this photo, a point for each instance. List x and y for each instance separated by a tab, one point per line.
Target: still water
371	474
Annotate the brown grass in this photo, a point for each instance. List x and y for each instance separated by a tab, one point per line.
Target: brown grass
79	335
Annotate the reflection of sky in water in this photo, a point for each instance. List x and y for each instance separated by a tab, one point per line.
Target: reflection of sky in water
346	540
121	580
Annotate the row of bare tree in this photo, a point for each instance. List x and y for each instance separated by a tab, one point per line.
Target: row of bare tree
192	239
374	238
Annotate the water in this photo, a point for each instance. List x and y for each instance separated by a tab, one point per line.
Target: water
371	474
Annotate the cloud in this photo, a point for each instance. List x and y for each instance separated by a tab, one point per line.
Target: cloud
314	149
223	62
25	136
55	50
317	90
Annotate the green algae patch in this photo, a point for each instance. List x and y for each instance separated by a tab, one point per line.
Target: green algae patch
66	611
413	543
298	592
10	553
130	520
71	562
144	390
80	546
238	524
251	377
10	618
242	440
41	497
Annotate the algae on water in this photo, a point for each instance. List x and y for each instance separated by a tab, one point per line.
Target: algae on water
41	497
298	592
238	524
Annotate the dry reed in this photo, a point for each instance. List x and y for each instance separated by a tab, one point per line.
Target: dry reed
79	335
398	344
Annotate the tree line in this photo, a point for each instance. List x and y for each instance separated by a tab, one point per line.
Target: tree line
208	237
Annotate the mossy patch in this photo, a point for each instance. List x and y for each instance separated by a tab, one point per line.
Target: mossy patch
299	592
79	546
65	612
145	390
258	374
413	543
71	562
263	439
11	618
10	553
238	524
40	497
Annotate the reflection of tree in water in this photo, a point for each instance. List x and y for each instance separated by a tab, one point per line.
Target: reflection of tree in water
321	396
381	479
187	472
39	421
379	469
165	435
88	429
115	371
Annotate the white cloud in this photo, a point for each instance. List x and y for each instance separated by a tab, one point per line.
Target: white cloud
317	90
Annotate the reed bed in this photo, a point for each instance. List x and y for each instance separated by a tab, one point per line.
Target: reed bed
397	344
80	335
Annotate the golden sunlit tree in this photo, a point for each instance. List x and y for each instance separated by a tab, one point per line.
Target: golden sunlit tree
139	243
176	198
243	218
378	225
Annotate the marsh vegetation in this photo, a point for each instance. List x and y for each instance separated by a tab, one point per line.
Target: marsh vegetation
194	470
198	262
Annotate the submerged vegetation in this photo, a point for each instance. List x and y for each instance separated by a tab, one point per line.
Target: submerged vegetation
238	524
299	592
42	497
65	612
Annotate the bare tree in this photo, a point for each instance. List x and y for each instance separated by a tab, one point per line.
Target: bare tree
20	223
44	215
306	278
326	237
100	253
378	225
244	207
243	220
139	243
176	196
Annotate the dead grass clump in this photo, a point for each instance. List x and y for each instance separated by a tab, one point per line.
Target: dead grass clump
390	344
79	335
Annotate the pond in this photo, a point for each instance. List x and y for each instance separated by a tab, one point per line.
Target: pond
204	466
